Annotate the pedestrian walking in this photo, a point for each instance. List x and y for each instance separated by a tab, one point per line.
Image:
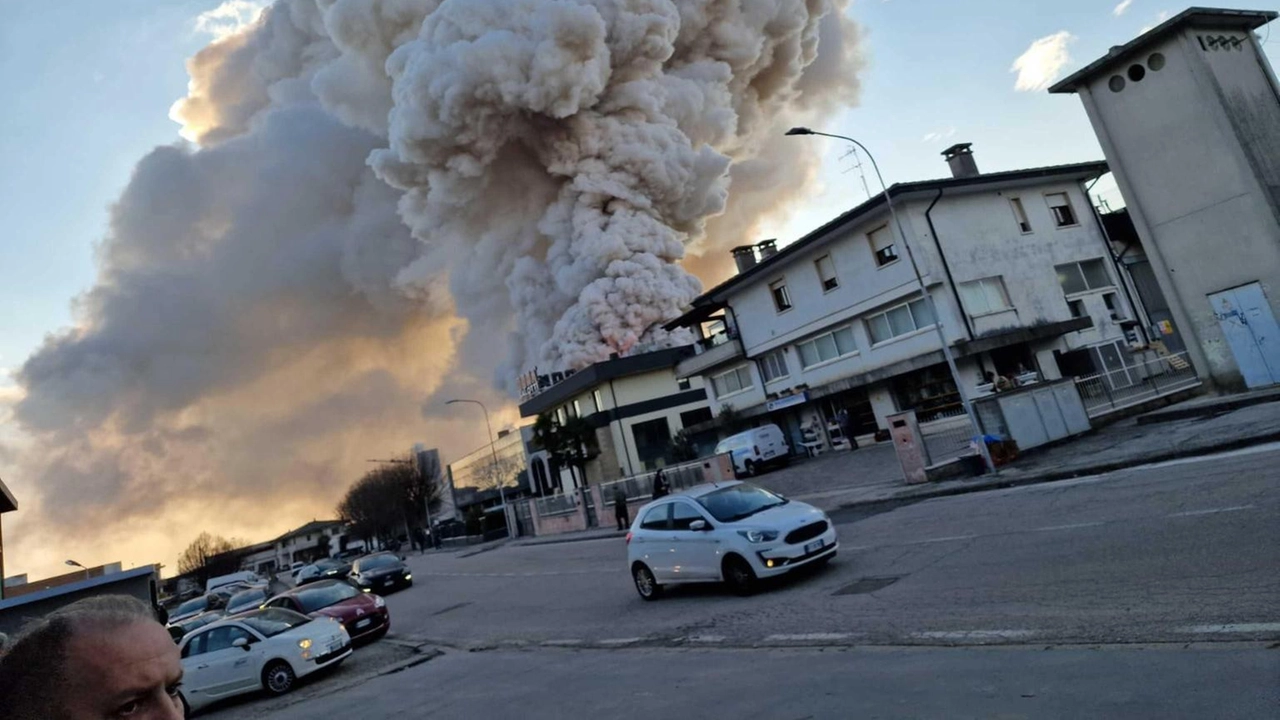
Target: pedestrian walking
620	510
842	419
660	486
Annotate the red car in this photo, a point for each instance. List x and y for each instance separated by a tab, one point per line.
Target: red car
364	615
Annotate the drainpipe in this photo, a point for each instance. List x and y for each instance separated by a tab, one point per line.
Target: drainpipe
1116	260
946	268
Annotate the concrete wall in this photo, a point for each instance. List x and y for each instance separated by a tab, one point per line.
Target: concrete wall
139	583
1198	195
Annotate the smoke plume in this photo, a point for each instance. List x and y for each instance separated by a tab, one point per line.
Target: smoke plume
386	203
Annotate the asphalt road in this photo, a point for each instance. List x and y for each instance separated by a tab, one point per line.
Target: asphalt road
1185	551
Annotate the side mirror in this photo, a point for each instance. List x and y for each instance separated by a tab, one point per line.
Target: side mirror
241	643
699	526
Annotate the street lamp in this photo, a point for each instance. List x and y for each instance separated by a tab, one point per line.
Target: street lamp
493	449
937	318
73	563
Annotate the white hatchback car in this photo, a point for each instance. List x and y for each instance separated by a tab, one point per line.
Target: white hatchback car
261	649
733	532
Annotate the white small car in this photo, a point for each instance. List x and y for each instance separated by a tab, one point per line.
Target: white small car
261	649
753	450
731	532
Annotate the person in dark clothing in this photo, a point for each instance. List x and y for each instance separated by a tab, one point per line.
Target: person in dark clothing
620	510
660	486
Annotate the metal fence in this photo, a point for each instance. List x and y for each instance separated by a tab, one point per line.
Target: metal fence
1117	389
557	504
948	439
639	487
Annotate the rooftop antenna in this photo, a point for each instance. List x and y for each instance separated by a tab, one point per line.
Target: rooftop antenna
857	165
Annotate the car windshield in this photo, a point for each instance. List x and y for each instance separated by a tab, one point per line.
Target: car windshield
273	621
323	595
738	502
192	606
245	599
378	562
328	564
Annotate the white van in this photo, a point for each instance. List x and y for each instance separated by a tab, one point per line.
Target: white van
246	577
756	448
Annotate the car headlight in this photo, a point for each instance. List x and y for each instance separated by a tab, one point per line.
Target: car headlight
407	576
304	643
378	601
759	536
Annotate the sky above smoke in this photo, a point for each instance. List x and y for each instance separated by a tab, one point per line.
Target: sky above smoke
385	204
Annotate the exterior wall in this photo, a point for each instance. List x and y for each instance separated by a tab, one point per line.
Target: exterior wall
631	464
468	471
1193	189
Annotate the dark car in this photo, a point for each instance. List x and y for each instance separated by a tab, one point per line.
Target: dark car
194	607
333	568
381	572
179	630
364	615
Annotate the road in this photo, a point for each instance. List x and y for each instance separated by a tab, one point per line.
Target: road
1151	592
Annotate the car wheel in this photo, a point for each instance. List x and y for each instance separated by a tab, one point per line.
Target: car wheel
646	584
739	575
278	677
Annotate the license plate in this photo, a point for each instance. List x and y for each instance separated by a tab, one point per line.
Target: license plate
814	546
364	623
335	647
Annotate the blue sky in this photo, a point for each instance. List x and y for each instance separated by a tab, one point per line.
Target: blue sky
89	84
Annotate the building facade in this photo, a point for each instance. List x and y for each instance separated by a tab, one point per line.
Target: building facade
636	404
1017	267
1188	115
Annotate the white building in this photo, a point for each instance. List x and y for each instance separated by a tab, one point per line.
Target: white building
1016	263
637	405
1188	115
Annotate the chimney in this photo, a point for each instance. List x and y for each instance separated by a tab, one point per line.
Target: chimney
960	158
767	249
745	257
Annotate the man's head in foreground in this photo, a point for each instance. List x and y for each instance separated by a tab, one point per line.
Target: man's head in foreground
97	659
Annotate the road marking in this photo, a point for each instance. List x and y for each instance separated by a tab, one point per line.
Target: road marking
951	538
1232	628
973	634
1213	511
1075	526
618	642
809	637
707	638
570	642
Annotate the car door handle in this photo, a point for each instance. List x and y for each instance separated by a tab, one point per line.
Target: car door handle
202	667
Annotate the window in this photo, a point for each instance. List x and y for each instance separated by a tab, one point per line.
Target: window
682	516
774	365
1083	276
577	408
656	518
828	346
781	298
1060	206
882	246
221	638
561	415
1020	215
599	400
736	380
900	320
683	384
984	296
1077	308
827	273
1113	306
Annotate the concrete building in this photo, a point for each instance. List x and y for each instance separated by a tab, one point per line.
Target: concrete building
7	504
15	588
1016	263
140	582
1188	115
637	405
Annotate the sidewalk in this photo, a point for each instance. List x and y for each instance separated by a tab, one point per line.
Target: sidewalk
871	474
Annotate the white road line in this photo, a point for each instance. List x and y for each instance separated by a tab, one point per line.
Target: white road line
570	642
618	642
952	538
809	637
1076	526
973	634
1232	628
1212	511
707	638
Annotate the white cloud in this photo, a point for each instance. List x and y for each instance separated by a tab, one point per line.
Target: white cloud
1121	8
1043	62
937	135
229	18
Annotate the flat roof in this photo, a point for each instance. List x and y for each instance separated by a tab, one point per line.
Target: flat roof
897	190
8	503
600	373
1217	18
93	582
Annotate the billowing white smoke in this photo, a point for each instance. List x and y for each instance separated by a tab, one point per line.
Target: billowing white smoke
395	198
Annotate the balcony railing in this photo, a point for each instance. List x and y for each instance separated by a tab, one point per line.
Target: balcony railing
710	355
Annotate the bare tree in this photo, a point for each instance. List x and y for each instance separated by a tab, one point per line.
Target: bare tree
490	474
390	497
201	552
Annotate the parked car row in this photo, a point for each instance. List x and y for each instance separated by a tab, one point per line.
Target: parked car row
239	638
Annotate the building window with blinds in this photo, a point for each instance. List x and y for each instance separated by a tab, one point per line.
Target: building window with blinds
774	366
985	296
901	320
882	245
735	381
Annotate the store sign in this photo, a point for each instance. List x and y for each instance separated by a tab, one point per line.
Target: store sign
788	401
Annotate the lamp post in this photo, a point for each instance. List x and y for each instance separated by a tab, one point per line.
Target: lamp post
73	563
493	449
924	291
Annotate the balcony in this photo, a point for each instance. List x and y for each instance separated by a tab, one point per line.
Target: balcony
712	352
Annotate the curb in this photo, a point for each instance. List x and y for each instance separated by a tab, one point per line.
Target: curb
1226	406
553	540
1096	469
